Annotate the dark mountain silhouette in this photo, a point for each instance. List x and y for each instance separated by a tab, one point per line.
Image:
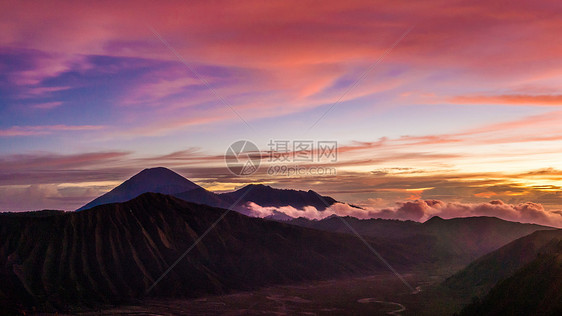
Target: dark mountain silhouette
534	289
472	237
458	240
166	181
376	227
155	180
482	274
203	196
279	216
115	252
265	195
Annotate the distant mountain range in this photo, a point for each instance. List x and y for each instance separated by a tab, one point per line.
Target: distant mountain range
482	274
458	240
166	181
264	195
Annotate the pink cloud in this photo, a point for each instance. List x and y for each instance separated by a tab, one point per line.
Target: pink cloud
155	91
47	161
291	46
533	128
34	92
45	129
47	65
47	105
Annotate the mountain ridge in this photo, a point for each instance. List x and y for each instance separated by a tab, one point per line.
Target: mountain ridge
266	196
482	274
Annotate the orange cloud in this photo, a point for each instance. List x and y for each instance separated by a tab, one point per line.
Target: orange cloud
485	195
544	100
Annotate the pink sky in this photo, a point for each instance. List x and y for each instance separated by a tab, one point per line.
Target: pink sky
464	108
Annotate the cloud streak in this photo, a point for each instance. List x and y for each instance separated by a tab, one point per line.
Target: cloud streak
515	99
46	129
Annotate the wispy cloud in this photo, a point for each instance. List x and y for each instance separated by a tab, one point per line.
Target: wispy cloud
45	129
50	161
47	105
514	99
305	64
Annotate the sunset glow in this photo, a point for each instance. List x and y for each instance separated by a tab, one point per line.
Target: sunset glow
456	101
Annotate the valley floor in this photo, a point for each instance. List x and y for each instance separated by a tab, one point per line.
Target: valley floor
381	294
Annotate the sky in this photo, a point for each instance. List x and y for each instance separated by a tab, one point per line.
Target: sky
456	102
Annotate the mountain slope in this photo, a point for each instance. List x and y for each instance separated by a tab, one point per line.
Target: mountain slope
115	252
155	180
374	227
472	237
535	289
482	274
203	196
